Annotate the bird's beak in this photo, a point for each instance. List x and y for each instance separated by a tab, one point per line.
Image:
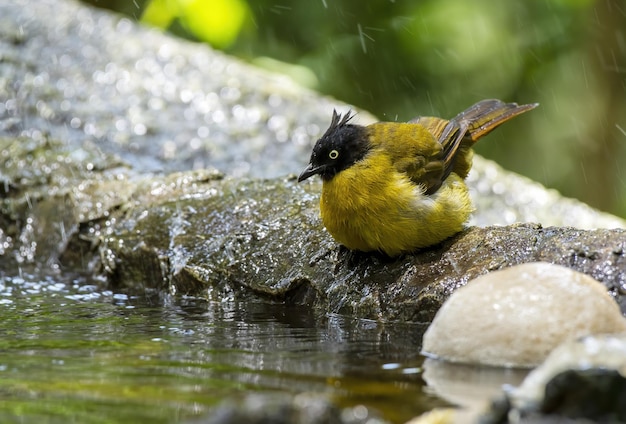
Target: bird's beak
309	171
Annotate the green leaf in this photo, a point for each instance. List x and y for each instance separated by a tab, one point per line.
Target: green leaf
217	22
160	13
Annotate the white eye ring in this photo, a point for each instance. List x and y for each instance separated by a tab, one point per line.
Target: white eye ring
333	154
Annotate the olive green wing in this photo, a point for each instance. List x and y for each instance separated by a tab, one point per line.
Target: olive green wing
457	135
427	149
413	150
449	135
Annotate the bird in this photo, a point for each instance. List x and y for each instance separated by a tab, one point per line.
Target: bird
396	187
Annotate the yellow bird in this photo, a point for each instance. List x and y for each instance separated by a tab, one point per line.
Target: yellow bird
396	187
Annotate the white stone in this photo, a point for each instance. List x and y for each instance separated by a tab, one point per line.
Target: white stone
605	352
514	317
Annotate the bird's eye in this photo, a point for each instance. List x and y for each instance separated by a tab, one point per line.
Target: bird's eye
333	154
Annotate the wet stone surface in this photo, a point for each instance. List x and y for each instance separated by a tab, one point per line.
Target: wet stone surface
110	158
63	73
245	244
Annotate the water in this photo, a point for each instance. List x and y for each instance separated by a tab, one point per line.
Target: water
75	352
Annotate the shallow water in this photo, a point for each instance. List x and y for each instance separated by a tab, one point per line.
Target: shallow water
73	352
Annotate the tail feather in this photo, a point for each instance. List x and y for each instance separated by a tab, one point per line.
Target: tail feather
459	133
486	115
474	122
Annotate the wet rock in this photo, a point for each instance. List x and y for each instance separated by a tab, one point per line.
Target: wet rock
233	238
581	381
594	394
516	316
159	103
48	191
504	198
596	352
110	159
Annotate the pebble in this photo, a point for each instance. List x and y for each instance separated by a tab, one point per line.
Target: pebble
516	316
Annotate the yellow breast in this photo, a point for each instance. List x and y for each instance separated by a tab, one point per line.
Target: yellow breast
370	206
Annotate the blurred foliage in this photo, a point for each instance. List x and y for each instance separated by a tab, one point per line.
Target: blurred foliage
218	22
401	58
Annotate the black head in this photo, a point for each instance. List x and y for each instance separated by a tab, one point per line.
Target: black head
339	148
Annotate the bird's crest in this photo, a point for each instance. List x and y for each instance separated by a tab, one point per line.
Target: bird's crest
339	120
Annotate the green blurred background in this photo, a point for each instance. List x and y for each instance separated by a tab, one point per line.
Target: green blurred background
402	58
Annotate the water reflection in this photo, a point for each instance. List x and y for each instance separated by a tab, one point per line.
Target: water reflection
471	387
74	350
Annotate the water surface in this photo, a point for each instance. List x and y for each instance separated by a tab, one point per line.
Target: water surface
72	351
